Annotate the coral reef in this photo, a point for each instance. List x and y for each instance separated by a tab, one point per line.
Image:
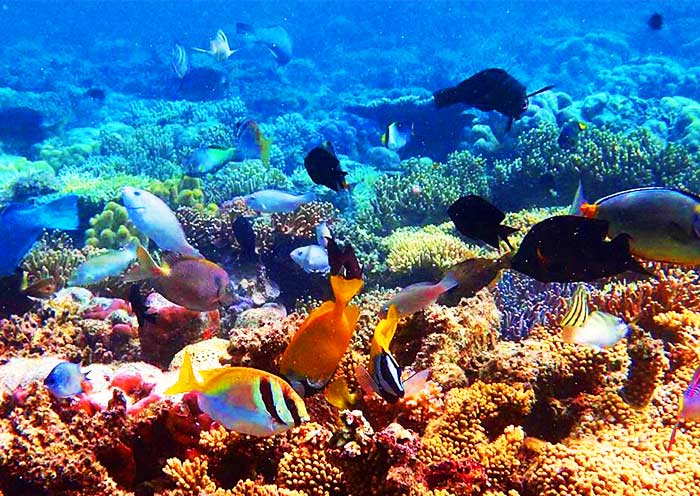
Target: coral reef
112	229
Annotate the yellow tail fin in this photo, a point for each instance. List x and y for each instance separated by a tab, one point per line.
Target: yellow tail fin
186	381
145	269
385	330
345	289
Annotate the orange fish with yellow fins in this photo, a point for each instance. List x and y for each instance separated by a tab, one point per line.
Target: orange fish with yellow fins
316	349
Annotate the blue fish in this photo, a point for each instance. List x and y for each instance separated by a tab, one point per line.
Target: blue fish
21	224
65	380
272	201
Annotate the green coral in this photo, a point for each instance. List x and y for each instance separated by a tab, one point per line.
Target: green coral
424	192
112	229
242	178
182	192
21	178
95	191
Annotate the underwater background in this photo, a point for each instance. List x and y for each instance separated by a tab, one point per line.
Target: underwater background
102	100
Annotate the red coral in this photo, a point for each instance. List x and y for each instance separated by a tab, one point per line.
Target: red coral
185	421
462	475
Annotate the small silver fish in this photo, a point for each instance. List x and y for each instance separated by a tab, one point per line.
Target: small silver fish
272	200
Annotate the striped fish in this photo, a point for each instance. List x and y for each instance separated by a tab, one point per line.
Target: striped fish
385	373
243	399
689	406
578	311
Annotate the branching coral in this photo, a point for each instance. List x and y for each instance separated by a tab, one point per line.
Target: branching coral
242	178
55	257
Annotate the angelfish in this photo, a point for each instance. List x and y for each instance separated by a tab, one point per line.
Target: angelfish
688	406
243	399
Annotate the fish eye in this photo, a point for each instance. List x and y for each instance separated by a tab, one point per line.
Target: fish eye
525	105
137	193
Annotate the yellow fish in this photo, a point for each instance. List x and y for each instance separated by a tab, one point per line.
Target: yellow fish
578	311
316	349
243	399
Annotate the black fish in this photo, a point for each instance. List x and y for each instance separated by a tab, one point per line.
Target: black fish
490	89
343	261
568	248
202	84
656	21
476	218
324	167
245	235
14	300
22	126
95	94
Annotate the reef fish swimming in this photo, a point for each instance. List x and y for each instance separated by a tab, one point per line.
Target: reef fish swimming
207	160
663	224
154	218
319	344
323	167
23	127
578	310
272	201
416	297
218	47
245	237
568	248
688	406
490	89
192	282
275	38
397	135
100	267
474	274
600	330
478	219
17	296
245	400
21	224
65	380
252	143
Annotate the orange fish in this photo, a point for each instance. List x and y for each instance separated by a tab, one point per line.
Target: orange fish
316	349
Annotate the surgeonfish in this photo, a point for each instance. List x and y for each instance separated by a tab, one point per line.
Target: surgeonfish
490	89
21	224
319	344
218	47
688	406
600	330
275	38
100	267
655	21
192	282
567	248
272	200
478	219
323	167
252	143
397	135
245	236
154	218
207	160
416	297
243	399
662	224
578	311
65	380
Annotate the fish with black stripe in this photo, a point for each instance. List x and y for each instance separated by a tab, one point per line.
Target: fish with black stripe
578	311
243	399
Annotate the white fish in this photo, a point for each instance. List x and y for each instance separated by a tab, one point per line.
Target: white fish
311	258
154	218
416	297
322	234
397	136
272	200
600	330
218	47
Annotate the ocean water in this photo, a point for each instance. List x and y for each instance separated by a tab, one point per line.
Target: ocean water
100	97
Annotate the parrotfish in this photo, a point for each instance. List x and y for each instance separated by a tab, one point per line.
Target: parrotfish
688	406
323	167
311	258
21	224
245	400
207	160
600	330
275	38
192	282
218	47
490	89
110	264
272	200
319	344
397	135
416	297
154	218
662	224
65	380
478	219
252	143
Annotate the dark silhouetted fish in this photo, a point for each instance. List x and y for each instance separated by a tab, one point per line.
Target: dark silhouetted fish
474	274
343	261
275	38
324	167
245	236
656	21
22	126
201	84
16	298
95	94
568	248
490	89
478	219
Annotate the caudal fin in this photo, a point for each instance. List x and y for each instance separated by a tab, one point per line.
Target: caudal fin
145	269
186	381
448	282
345	289
579	200
59	214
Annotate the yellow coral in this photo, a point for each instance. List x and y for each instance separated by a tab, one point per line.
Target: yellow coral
427	248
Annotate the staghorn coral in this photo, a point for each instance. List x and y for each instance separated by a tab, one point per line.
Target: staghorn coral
429	249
